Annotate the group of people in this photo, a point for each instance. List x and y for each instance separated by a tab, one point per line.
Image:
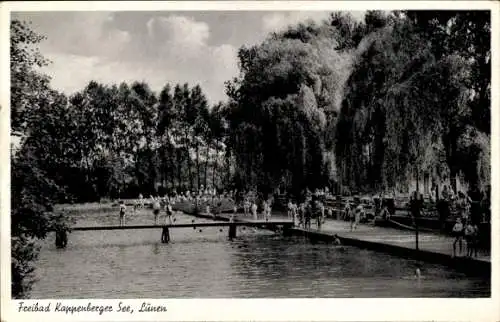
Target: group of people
250	208
303	213
353	214
472	205
466	223
468	231
157	203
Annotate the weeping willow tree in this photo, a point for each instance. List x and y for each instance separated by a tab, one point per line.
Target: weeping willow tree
280	105
405	113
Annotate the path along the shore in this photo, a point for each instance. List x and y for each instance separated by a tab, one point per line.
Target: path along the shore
428	242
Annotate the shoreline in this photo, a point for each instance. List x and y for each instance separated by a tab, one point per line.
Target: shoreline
469	266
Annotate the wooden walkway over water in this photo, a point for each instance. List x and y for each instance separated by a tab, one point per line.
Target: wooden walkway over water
275	223
62	236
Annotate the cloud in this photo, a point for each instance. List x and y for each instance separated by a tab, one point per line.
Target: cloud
170	49
278	21
179	30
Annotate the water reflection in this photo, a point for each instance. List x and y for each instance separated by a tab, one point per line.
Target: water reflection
134	264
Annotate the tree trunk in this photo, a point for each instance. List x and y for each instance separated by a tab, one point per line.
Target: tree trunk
228	171
198	165
179	168
206	164
172	169
214	170
188	159
418	186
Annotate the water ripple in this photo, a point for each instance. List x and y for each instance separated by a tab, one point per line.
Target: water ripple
134	264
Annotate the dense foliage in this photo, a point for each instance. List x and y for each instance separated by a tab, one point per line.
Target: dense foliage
32	189
417	102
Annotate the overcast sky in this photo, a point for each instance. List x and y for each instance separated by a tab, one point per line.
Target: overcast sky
156	47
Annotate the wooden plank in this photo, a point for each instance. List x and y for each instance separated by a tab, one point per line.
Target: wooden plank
188	225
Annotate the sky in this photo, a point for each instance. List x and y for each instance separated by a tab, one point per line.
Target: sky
156	47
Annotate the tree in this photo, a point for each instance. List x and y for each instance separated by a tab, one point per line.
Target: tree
198	118
406	103
279	106
32	192
165	132
28	85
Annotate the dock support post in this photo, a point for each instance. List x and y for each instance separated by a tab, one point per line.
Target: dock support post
287	231
165	235
61	238
232	232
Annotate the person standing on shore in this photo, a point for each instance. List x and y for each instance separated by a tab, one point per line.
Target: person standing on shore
300	215
141	201
475	204
458	233
295	213
475	239
444	207
268	211
289	209
347	210
246	206
322	211
318	212
469	238
122	212
463	206
156	209
169	212
254	210
358	214
308	214
351	213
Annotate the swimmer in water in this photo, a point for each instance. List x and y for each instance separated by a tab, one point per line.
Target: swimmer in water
418	274
336	240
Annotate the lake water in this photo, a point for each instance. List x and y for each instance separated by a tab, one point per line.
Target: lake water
258	264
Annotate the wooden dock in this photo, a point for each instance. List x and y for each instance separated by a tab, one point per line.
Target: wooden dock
189	225
62	235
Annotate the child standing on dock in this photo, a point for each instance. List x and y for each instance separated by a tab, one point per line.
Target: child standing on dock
122	212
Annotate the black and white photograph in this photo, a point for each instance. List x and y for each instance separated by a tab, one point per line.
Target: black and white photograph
246	154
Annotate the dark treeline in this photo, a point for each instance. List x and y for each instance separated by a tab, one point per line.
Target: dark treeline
353	105
121	140
366	106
